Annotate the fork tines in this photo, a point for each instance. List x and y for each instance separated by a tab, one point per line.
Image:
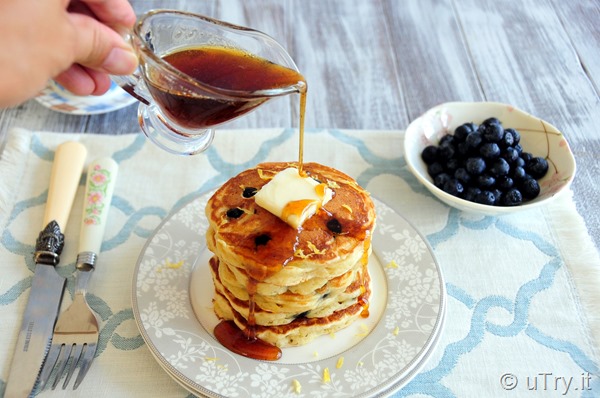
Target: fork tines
60	355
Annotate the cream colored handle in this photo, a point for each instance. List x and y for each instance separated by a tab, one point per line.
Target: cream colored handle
67	167
99	188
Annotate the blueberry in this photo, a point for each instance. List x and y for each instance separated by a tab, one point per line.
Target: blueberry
262	240
429	154
236	212
485	181
446	152
441	179
518	148
301	315
462	131
500	167
520	162
516	136
452	165
435	169
492	132
334	226
475	166
530	188
481	163
485	198
471	126
510	154
462	175
526	156
537	167
518	173
249	192
462	149
498	195
453	187
470	193
489	150
491	120
447	140
504	182
473	140
509	138
512	197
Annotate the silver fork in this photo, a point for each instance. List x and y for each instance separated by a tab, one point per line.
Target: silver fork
76	332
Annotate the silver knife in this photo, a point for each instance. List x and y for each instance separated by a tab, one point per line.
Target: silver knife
47	287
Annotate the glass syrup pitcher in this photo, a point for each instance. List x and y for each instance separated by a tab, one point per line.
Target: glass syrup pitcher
197	73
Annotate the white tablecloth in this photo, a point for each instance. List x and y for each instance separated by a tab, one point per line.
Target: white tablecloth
523	301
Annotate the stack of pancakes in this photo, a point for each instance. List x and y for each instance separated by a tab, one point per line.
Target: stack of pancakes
283	285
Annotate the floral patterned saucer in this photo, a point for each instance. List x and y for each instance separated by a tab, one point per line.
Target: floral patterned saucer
55	97
172	304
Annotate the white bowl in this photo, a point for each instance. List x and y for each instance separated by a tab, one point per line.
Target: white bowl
538	137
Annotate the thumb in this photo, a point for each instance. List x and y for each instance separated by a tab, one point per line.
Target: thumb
99	47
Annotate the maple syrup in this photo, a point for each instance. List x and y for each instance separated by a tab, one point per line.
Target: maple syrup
236	340
303	93
364	302
219	69
233	69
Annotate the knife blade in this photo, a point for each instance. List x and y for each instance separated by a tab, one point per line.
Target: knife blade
47	287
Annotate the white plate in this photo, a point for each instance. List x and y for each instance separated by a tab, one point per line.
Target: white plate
380	353
55	97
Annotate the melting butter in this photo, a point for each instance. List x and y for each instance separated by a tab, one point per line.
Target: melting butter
292	197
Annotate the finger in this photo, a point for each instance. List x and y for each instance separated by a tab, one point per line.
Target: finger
99	47
102	81
84	81
117	14
76	80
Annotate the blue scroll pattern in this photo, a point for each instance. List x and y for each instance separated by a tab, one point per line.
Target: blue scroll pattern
442	375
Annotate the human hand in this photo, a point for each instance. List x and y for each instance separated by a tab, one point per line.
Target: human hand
76	43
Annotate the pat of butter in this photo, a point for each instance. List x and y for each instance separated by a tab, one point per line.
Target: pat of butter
293	198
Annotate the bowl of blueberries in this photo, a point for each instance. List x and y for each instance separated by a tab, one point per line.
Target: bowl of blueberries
488	158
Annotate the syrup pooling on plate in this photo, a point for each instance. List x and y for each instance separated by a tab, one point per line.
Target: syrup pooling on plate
241	343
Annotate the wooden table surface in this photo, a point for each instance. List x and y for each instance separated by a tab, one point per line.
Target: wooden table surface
379	64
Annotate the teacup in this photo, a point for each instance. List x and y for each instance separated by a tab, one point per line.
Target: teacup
184	83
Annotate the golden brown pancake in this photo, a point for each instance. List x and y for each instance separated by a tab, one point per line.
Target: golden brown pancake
290	285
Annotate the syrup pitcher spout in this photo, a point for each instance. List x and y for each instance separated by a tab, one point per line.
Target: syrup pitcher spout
196	73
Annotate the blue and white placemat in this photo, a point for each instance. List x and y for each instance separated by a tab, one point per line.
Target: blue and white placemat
523	299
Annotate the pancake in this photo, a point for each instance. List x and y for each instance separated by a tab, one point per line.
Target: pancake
286	285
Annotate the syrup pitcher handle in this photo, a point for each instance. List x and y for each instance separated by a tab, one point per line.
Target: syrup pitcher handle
134	84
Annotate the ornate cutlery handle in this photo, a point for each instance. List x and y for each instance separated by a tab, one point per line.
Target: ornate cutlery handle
99	188
64	179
